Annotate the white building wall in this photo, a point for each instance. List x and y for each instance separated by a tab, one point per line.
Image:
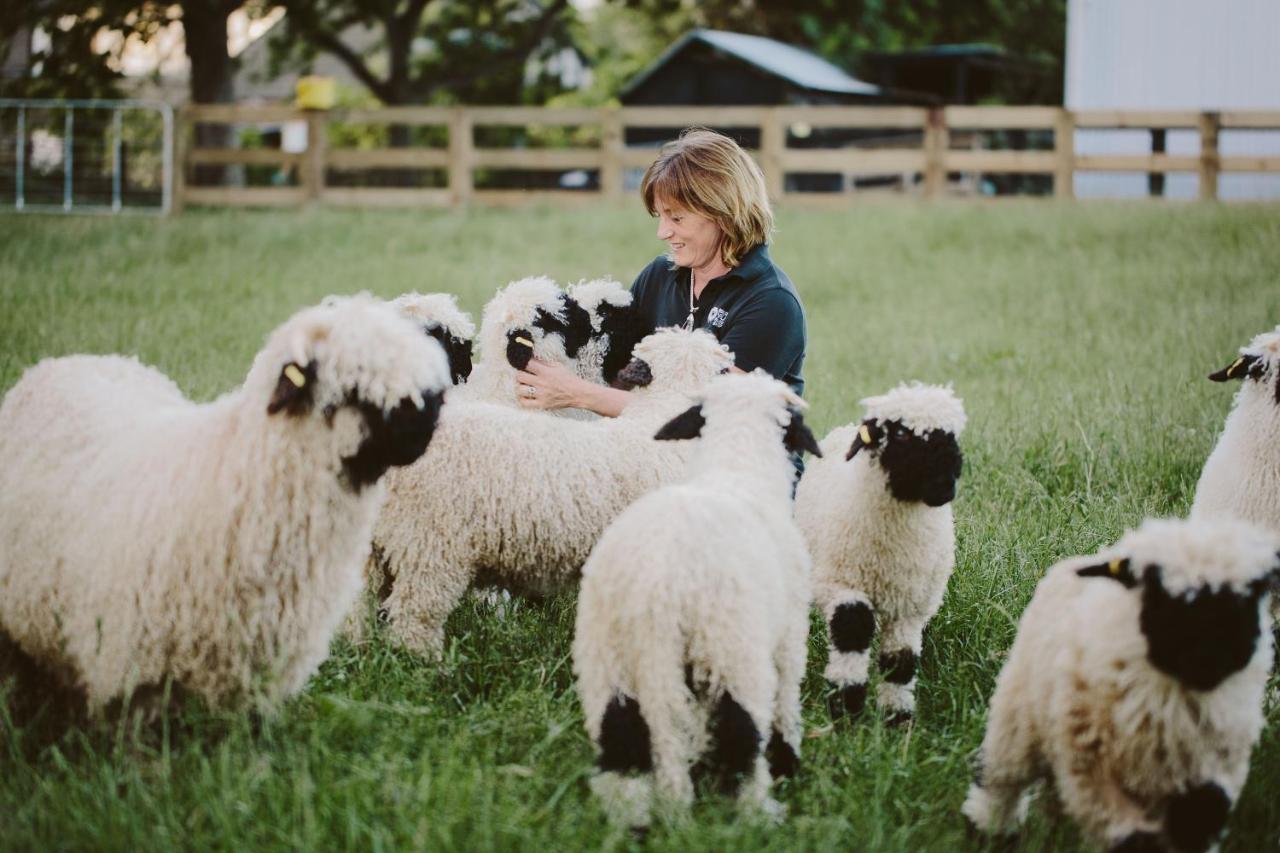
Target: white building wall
1174	55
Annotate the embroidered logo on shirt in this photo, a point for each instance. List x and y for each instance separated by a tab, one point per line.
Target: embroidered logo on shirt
716	317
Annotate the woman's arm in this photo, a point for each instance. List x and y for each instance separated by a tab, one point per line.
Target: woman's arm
554	387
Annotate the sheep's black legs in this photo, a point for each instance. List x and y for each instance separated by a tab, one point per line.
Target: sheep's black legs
852	625
1195	818
625	781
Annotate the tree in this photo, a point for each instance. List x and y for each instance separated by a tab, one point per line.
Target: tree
427	50
86	42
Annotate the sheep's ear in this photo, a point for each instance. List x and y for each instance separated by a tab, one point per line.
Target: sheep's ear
799	437
293	389
687	424
1117	570
637	374
459	358
1245	365
519	348
869	435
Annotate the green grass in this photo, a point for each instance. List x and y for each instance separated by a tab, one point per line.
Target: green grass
1079	336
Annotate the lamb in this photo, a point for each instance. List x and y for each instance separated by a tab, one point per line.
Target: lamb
146	539
1135	685
879	526
694	612
616	328
440	317
529	318
1241	479
528	495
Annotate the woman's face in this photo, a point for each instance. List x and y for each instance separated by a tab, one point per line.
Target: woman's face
694	239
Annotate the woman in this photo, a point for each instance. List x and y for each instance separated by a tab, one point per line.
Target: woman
713	212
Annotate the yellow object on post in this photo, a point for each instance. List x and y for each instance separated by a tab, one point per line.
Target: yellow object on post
316	93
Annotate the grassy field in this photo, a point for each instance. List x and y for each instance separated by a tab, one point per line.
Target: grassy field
1078	335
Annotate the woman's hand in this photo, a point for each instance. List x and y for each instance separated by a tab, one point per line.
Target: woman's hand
542	385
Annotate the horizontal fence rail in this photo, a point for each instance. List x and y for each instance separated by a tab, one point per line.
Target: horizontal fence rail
455	156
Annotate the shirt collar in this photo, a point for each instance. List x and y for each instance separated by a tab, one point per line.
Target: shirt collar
753	264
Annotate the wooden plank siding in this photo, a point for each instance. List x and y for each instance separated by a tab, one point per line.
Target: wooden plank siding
917	142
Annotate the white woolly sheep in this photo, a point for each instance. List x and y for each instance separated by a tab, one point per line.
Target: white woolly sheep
1241	479
1135	686
507	497
879	525
529	318
146	539
440	317
693	618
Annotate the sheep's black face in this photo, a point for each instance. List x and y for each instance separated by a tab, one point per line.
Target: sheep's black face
636	374
921	468
575	328
625	327
1199	637
457	350
398	438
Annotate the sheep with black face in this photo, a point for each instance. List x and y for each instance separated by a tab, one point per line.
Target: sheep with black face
440	317
876	513
1241	479
1135	685
529	318
145	538
616	327
693	619
526	496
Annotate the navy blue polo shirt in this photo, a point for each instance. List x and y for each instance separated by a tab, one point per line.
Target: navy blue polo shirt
753	309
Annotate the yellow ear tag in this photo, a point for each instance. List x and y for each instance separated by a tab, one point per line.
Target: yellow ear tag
865	435
525	341
294	375
1239	361
1114	566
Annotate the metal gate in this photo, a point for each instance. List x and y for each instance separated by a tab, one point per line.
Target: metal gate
86	156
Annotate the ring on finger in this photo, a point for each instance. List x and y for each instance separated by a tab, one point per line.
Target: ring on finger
529	391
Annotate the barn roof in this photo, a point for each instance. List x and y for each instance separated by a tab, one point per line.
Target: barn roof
799	67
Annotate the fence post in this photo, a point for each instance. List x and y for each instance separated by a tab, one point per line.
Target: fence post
314	163
773	144
937	140
460	148
1064	147
1209	161
181	145
611	146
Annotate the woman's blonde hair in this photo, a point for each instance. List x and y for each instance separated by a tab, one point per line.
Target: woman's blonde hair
708	174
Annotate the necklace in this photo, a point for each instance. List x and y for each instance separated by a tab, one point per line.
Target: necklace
688	323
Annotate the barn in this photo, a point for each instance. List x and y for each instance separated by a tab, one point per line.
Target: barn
1173	55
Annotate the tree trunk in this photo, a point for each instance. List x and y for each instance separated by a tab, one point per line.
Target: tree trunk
204	23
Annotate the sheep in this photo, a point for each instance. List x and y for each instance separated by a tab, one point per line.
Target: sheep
1241	479
1135	685
526	496
693	613
616	328
148	540
440	317
879	526
529	318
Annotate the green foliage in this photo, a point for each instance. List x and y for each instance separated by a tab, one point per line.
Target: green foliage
68	67
1078	334
428	51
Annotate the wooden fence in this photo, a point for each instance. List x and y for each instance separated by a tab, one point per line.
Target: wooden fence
940	143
